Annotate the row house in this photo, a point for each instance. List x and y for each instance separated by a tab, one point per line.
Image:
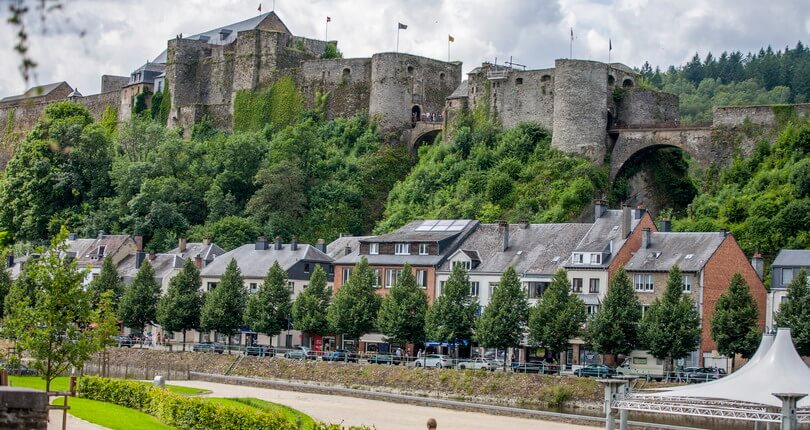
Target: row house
708	262
787	265
90	253
254	261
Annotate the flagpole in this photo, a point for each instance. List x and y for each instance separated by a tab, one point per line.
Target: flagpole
326	31
398	38
448	49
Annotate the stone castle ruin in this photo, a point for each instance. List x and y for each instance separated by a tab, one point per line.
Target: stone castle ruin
593	109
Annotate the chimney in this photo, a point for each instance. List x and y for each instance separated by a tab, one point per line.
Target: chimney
207	241
139	256
293	244
599	208
182	245
138	243
503	229
10	260
626	222
723	233
523	224
640	212
100	234
72	236
152	256
645	238
261	243
278	246
198	261
321	246
666	225
759	265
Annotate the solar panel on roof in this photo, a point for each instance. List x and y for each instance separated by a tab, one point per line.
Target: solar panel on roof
457	225
426	225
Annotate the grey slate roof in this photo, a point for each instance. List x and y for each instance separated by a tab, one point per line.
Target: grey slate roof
605	229
255	263
38	91
463	91
690	251
792	258
86	250
337	249
206	252
532	248
410	233
163	264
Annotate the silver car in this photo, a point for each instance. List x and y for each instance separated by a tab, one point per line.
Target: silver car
433	360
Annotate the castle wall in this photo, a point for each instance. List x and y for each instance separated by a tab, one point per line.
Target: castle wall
580	108
639	108
184	75
525	96
401	81
113	83
98	103
348	82
733	116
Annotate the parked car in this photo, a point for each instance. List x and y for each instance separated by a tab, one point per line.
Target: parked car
259	351
123	341
598	370
536	367
18	369
702	374
383	359
476	364
341	355
433	360
208	347
300	353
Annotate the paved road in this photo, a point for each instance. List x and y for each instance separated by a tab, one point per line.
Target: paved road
381	415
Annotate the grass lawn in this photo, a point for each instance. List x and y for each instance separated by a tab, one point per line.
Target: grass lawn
253	403
61	384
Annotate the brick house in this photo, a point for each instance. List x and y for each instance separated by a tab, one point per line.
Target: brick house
708	262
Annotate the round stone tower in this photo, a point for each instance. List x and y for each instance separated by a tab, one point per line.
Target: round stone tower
580	108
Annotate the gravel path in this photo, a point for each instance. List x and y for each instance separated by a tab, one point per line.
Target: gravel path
73	423
381	415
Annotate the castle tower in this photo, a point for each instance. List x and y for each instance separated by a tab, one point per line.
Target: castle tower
580	108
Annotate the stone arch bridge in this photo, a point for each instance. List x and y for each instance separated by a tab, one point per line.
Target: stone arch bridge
423	132
633	144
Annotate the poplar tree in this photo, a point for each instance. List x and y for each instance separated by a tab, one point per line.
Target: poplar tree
614	327
735	320
107	280
794	312
504	319
179	309
402	313
268	310
138	305
557	317
310	307
224	306
451	318
670	329
354	309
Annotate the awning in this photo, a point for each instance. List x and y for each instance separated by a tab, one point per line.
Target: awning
373	338
590	299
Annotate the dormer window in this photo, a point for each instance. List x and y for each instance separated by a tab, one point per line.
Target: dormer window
467	265
224	33
596	258
423	249
100	251
579	258
402	249
374	248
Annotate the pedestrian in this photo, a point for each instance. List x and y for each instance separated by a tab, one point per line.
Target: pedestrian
399	352
419	354
431	424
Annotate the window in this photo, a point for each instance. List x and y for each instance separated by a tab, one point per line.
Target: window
591	309
577	285
423	249
101	250
211	286
474	289
377	281
639	360
347	272
421	278
519	81
687	283
492	286
374	248
441	288
643	282
253	287
596	258
291	286
593	285
441	76
306	267
536	289
578	258
787	276
392	276
402	249
644	309
467	265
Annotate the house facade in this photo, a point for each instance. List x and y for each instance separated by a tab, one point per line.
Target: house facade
787	265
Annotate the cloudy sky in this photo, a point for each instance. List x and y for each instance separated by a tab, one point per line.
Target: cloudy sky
120	35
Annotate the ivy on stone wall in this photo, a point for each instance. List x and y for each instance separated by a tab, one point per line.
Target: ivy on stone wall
277	106
109	120
165	104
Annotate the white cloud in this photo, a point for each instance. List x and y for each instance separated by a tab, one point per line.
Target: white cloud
122	34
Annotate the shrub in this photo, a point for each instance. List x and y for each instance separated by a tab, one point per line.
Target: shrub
557	395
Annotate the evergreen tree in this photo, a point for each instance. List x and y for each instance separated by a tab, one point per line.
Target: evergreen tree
402	314
310	307
165	104
557	317
670	329
107	280
138	306
451	318
223	307
354	308
614	328
5	289
735	320
268	310
504	320
794	312
179	309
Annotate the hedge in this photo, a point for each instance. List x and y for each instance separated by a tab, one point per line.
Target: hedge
187	412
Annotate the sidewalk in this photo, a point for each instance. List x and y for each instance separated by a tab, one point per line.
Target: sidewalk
73	423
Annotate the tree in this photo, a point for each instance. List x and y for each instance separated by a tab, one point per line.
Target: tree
794	312
138	306
223	307
557	317
670	329
268	310
504	320
5	288
735	320
614	328
451	318
58	326
107	280
354	307
179	309
309	309
402	314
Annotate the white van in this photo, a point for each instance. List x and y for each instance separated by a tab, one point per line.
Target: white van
643	365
